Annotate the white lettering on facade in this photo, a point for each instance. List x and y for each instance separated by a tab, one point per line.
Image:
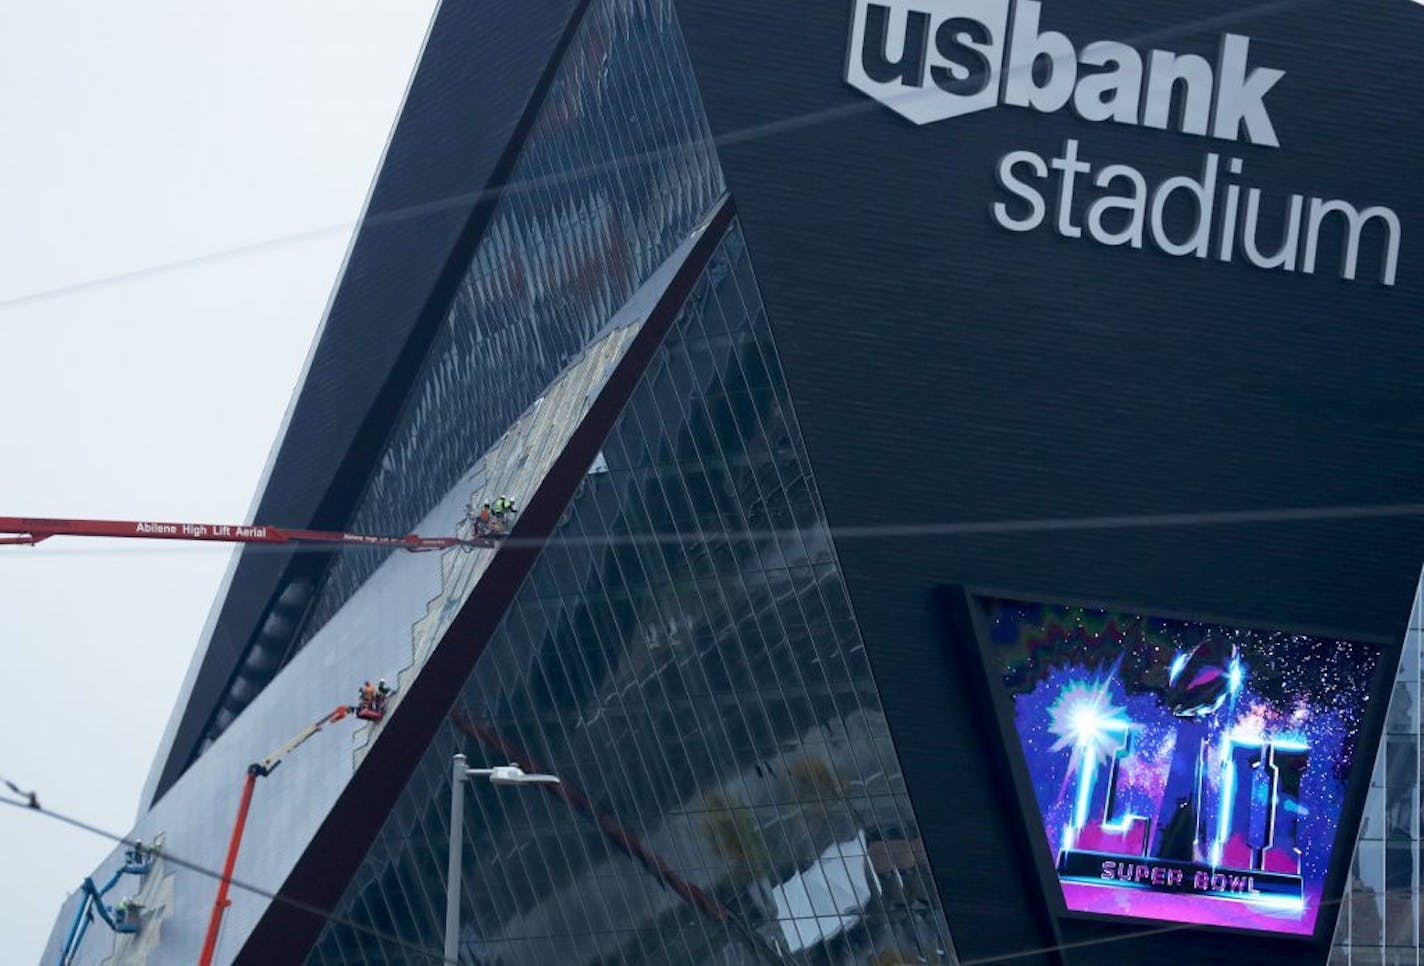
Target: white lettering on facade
930	61
1122	208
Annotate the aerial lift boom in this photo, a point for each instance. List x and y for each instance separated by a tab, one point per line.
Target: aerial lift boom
137	861
28	531
260	769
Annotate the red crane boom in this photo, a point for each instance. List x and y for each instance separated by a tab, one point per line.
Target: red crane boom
28	531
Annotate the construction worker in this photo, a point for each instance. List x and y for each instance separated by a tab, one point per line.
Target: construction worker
497	522
126	915
503	507
139	856
367	698
378	698
479	519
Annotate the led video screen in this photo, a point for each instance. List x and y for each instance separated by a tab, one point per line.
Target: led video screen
1183	772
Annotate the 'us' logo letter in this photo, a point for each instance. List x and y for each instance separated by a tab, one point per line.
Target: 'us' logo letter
928	61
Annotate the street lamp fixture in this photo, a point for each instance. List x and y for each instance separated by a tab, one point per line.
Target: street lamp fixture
498	775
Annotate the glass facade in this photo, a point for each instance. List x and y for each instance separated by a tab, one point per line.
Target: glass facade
618	167
520	461
1379	917
685	658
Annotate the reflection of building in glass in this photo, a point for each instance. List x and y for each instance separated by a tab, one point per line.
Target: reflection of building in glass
688	661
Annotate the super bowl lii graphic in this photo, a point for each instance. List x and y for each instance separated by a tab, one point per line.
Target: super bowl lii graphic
1184	772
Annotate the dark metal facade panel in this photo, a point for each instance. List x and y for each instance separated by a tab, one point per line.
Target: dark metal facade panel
481	76
1031	376
950	371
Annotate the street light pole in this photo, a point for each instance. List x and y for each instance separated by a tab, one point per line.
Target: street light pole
452	877
459	774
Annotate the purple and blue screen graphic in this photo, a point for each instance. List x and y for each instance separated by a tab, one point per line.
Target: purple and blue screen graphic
1184	772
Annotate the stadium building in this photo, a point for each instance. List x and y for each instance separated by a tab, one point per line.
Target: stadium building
968	461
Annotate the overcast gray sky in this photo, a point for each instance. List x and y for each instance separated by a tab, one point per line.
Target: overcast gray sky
134	136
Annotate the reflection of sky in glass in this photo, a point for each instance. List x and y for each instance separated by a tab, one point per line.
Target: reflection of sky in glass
1291	689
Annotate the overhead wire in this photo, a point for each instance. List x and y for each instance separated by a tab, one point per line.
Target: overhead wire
438	955
31	800
272	896
491	193
962	528
1349	512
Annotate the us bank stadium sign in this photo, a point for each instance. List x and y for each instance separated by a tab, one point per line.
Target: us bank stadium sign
932	61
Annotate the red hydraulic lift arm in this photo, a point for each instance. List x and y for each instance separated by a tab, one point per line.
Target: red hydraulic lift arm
27	531
210	942
256	770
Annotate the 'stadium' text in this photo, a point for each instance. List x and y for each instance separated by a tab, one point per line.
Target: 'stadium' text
1113	204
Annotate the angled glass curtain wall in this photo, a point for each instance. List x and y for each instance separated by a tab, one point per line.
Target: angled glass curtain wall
616	170
1380	916
685	657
